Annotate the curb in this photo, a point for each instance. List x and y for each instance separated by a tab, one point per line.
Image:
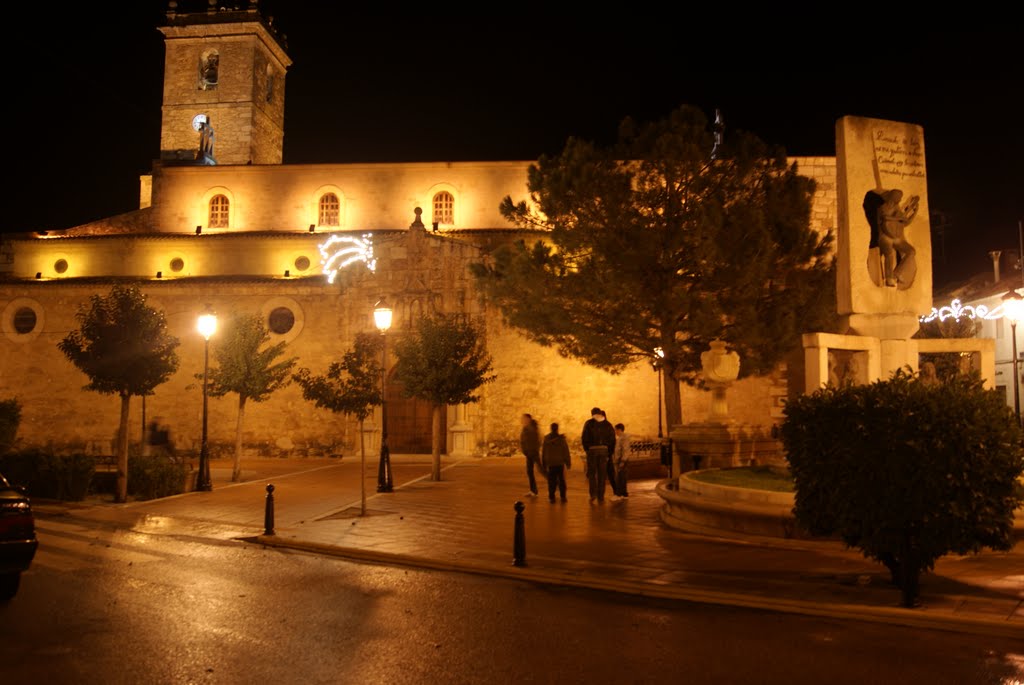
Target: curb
886	615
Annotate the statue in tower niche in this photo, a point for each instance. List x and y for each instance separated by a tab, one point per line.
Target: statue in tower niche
888	219
209	65
205	152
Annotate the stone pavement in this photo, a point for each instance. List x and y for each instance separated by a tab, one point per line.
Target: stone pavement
465	523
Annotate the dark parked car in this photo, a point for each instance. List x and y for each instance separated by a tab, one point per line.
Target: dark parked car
17	538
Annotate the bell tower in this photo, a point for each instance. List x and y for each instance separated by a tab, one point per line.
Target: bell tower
224	74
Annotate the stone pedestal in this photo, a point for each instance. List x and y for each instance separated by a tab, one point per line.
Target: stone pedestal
723	445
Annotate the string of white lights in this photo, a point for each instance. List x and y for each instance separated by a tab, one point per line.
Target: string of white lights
339	251
955	310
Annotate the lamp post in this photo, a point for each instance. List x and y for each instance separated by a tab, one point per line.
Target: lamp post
382	320
207	326
658	363
1013	309
664	445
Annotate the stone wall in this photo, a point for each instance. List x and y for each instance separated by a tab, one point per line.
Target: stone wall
57	410
144	255
539	381
373	196
823	207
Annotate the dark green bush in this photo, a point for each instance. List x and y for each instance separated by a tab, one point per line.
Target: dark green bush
45	474
155	476
906	470
10	419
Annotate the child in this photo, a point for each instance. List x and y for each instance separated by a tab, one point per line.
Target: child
621	459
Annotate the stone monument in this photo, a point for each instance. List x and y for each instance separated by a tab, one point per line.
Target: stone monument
883	258
884	280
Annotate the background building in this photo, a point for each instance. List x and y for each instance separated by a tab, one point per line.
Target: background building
980	298
222	222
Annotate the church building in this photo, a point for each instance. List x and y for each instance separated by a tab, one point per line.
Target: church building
223	222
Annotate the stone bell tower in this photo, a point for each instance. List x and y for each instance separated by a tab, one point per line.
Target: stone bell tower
224	74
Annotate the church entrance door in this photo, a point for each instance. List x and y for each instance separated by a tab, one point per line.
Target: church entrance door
409	427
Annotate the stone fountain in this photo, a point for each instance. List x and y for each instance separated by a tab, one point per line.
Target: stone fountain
720	441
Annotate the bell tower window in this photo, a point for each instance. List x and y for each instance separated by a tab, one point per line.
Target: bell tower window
220	211
209	68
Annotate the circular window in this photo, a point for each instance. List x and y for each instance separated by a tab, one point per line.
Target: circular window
177	264
281	320
60	266
24	320
302	263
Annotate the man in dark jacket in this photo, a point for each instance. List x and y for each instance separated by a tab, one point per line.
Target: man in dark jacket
599	444
556	459
529	443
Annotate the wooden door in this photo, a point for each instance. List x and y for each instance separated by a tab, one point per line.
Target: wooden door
409	428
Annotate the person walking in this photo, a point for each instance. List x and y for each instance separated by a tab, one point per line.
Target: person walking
599	444
529	443
555	457
621	456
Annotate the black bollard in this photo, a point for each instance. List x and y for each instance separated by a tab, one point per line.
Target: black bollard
268	514
384	478
519	537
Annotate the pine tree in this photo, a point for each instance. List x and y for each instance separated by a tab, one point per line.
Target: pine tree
665	241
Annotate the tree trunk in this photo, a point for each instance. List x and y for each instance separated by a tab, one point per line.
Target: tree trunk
895	574
362	470
435	450
236	471
122	452
911	577
910	572
673	401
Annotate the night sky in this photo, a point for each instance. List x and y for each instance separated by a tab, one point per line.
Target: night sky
85	91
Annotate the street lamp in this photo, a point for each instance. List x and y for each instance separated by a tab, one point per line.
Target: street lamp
1013	309
382	320
207	326
659	361
665	446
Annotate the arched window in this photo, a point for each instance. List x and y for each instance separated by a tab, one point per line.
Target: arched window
220	210
330	210
209	68
270	83
444	208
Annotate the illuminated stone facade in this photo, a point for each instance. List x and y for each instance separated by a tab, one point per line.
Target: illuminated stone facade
266	259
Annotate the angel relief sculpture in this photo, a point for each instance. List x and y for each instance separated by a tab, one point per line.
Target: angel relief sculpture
888	218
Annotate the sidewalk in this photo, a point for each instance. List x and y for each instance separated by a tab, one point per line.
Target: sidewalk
465	523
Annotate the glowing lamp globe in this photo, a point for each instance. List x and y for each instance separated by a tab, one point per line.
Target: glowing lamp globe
382	316
1013	307
207	324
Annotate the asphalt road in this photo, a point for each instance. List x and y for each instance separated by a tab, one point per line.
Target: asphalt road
108	606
